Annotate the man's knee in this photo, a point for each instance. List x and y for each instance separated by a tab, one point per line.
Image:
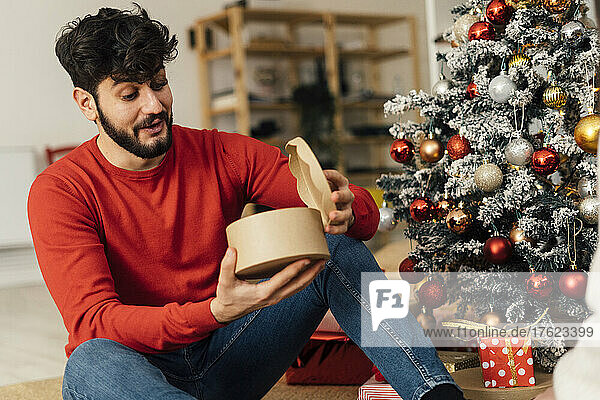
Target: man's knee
91	361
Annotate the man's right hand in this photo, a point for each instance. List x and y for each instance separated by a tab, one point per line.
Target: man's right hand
236	298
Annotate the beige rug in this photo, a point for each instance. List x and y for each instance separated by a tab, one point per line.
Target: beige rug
50	389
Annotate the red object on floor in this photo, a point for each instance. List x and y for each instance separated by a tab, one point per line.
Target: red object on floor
330	358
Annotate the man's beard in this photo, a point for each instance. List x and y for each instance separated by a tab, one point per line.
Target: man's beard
132	143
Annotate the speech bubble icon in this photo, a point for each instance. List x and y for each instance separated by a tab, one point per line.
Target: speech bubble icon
389	299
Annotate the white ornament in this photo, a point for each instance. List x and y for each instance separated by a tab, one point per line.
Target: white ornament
532	380
488	177
520	352
518	152
495	341
521	371
487	383
512	382
386	220
501	372
485	365
589	209
461	27
492	363
442	86
505	350
572	32
586	187
501	88
514	340
482	346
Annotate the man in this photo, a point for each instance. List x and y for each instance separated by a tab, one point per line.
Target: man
129	231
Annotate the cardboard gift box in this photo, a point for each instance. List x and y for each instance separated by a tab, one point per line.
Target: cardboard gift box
374	390
329	358
269	241
506	362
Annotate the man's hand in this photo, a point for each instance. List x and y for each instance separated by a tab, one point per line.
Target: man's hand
342	219
236	298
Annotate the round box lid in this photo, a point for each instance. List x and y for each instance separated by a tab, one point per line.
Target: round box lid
313	187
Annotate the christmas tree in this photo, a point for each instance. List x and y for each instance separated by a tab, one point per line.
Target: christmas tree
500	172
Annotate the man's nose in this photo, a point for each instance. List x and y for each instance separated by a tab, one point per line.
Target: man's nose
151	103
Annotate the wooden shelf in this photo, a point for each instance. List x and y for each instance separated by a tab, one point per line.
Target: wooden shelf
288	47
278	50
304	17
374	54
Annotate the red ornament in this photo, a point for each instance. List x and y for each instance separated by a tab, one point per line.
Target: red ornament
545	161
472	91
432	294
407	271
458	146
573	284
498	12
539	285
422	209
482	30
402	151
497	250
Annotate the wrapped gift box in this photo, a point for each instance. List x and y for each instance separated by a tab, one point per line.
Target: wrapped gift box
330	358
374	390
506	362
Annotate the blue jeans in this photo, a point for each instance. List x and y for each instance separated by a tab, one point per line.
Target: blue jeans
244	359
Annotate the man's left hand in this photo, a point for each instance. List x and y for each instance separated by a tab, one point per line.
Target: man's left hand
342	219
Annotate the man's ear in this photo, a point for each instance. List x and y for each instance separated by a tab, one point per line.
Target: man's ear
86	103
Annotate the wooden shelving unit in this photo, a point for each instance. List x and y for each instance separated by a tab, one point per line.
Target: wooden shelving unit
232	22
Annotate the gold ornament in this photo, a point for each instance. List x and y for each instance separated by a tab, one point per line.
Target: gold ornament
431	150
519	60
555	97
517	235
586	133
491	319
523	3
557	6
459	220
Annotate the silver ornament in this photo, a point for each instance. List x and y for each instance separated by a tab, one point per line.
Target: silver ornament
589	209
442	86
572	32
586	187
386	220
461	27
488	177
518	152
501	88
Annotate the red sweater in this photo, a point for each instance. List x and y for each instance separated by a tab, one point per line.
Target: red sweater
134	256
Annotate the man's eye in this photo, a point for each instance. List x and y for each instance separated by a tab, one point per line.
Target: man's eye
130	97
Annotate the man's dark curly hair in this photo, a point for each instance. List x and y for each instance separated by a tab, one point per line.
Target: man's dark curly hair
125	45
